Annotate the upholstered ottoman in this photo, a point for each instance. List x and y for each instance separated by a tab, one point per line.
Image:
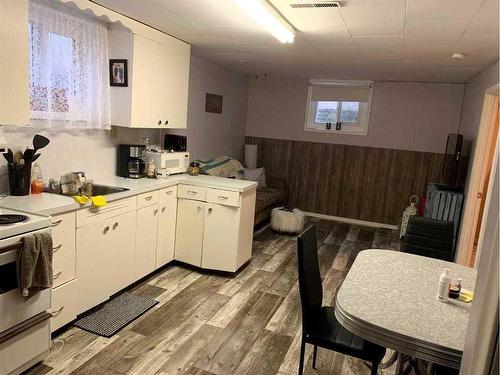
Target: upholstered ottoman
285	220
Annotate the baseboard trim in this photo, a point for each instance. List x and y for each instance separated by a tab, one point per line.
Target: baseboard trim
352	221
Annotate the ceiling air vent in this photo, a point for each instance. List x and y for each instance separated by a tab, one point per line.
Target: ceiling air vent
316	4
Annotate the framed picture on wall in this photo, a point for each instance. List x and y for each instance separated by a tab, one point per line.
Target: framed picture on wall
118	74
213	103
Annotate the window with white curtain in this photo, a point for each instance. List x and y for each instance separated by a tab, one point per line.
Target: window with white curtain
338	106
69	77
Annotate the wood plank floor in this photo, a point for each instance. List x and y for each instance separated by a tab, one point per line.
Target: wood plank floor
208	323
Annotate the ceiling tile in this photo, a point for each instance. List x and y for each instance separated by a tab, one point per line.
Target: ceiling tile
329	35
369	44
437	32
442	10
374	18
486	19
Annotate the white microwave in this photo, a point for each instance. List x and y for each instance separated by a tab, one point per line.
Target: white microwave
167	163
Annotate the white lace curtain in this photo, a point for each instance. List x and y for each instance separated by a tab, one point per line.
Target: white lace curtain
69	77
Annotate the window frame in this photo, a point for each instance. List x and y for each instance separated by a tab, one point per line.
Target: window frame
311	109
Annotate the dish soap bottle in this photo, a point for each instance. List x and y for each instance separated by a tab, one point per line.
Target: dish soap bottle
444	285
36	180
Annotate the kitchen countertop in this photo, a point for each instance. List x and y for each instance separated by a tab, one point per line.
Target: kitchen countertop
52	204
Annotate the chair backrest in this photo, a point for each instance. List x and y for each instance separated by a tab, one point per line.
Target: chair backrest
310	287
429	237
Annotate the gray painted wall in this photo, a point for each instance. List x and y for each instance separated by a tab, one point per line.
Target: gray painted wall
404	115
213	134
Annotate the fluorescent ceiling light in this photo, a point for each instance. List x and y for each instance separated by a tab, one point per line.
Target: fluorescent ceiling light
264	14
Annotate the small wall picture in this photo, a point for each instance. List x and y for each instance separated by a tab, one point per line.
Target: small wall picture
118	75
213	103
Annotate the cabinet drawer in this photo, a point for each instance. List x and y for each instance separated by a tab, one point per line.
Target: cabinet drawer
95	214
228	198
170	192
64	305
64	269
192	192
63	234
147	199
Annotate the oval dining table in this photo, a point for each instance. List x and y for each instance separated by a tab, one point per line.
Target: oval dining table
389	298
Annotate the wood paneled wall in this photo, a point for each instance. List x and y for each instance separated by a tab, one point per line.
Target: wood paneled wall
364	183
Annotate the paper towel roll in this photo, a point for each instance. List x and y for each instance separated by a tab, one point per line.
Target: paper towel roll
251	156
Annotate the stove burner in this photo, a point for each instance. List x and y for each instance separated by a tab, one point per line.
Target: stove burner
6	219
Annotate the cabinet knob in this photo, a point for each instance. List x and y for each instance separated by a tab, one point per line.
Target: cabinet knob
56	275
163	209
159	122
199	208
115	225
55	249
56	223
166	122
156	212
210	210
106	229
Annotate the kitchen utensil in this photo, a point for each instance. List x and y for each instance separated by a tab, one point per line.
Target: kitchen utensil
39	141
9	156
18	157
28	154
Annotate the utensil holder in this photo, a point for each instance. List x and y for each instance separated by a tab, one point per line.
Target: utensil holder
19	179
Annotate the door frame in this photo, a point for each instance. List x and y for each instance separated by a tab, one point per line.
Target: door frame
470	215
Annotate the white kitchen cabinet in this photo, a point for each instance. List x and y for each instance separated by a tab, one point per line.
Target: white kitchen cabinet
220	237
189	233
158	82
64	307
167	219
105	261
215	234
145	246
14	75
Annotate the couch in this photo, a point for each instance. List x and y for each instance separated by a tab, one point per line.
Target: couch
274	194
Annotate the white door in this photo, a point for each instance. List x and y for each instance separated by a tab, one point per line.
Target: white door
93	263
123	234
145	244
143	81
220	241
189	232
174	73
166	231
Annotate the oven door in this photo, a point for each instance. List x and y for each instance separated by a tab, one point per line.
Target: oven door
13	308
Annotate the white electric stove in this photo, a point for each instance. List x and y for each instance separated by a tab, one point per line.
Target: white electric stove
24	324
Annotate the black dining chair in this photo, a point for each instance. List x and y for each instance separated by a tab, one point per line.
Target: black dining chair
319	324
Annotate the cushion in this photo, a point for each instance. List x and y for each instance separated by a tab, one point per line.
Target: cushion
223	166
257	174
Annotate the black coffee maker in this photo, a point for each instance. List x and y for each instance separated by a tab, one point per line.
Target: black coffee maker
130	161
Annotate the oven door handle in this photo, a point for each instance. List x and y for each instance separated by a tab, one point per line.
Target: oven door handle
9	256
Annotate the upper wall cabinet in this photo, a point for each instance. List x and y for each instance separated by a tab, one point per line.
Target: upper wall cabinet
14	77
157	95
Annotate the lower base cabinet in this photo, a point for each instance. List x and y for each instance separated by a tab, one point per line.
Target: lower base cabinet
189	234
105	258
167	218
145	246
214	235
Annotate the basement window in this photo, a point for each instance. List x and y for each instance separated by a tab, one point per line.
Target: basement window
338	107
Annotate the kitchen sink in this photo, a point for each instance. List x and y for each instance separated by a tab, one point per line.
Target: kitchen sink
96	190
106	189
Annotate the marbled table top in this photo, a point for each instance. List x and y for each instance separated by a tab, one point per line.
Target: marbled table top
396	293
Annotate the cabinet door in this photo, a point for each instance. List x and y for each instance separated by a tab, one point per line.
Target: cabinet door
220	240
14	75
122	249
93	263
145	246
144	79
166	231
174	77
189	233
